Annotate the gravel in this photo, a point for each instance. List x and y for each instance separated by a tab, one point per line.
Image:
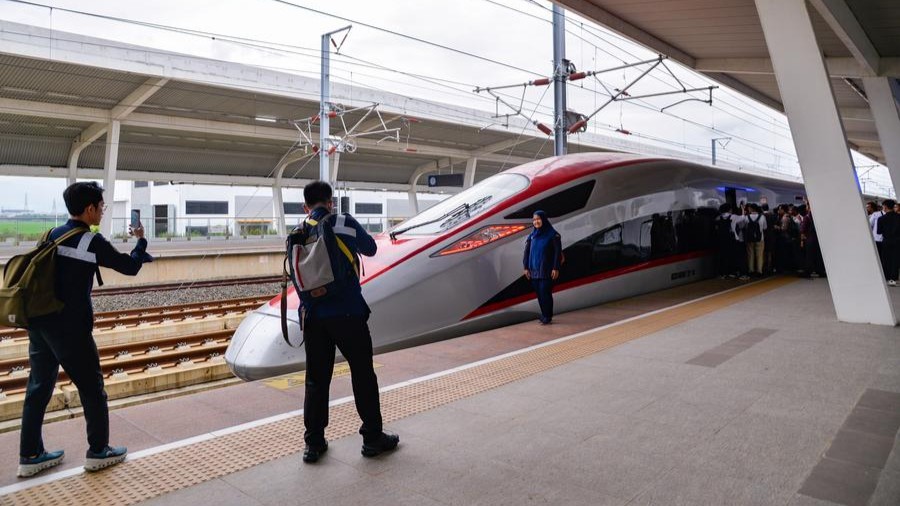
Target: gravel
104	303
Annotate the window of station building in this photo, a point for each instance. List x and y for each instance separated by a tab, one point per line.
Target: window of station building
141	184
368	208
559	204
293	208
374	228
206	207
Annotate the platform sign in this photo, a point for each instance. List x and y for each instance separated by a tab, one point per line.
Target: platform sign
445	180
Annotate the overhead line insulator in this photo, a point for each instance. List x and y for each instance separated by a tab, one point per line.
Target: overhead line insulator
543	128
578	125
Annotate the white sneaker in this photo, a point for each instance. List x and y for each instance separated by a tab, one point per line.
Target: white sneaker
892	283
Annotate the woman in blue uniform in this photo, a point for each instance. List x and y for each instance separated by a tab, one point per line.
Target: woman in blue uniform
543	255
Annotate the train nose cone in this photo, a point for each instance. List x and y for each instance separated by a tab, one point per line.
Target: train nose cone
258	351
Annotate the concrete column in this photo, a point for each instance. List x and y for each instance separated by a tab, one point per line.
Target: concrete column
413	200
854	273
111	159
883	100
469	177
74	153
280	220
278	197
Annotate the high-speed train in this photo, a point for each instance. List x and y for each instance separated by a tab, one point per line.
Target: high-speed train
630	224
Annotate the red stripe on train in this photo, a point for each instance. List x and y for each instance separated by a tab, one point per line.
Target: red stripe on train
575	283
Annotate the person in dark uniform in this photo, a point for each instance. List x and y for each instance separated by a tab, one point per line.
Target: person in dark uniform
543	256
888	226
340	322
66	338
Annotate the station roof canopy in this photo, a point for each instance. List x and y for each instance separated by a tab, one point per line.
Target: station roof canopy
724	40
190	119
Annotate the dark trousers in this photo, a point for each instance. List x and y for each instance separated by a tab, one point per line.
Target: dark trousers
814	261
52	344
351	336
544	290
891	261
726	258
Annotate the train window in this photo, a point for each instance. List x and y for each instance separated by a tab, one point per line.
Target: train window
464	205
628	244
559	204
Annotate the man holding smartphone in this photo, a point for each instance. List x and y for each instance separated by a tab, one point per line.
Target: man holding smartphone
66	338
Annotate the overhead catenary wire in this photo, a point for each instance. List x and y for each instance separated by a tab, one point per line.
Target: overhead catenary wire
195	32
245	41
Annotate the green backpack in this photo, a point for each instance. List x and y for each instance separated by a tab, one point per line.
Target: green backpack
29	283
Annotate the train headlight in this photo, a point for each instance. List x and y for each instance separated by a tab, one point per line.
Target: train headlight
481	237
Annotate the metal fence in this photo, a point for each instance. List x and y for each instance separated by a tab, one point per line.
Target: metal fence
23	231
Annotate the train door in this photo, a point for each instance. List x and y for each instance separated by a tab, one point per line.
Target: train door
731	197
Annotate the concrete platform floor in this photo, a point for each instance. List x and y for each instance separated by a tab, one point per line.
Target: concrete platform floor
770	401
169	420
766	401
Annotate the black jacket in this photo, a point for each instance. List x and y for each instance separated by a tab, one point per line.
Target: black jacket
77	261
889	228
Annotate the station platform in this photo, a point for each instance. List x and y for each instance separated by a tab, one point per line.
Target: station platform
713	393
201	258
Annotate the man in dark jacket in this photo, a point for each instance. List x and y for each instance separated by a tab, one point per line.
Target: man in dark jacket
889	228
340	322
65	338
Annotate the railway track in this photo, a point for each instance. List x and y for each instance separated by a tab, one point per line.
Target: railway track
147	356
133	317
123	290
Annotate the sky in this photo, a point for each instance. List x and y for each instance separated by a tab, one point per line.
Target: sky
515	34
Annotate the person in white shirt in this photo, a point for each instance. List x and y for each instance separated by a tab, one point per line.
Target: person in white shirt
874	212
753	228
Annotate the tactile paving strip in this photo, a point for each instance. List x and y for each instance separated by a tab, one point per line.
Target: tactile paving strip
161	473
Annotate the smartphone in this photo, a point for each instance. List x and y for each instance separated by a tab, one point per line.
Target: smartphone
135	218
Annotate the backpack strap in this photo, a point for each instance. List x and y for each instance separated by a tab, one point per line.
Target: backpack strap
284	296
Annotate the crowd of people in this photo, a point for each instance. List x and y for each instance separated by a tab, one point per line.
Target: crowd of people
753	240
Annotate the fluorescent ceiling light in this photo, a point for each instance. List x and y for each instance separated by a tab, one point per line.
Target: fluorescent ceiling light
267	120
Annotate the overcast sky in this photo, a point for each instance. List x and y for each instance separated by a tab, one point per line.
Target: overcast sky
514	32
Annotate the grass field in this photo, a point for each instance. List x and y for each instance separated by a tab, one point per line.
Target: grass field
27	229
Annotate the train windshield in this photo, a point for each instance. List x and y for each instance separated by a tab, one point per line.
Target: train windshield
464	205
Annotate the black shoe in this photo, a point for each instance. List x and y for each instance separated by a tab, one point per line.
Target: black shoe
385	443
312	452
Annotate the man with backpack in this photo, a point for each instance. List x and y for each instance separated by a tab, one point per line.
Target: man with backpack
65	337
334	314
754	228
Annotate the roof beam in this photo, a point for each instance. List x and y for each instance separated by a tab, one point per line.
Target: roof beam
125	107
592	11
837	66
746	89
863	138
856	113
845	25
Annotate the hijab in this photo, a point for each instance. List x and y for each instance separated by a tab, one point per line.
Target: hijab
540	239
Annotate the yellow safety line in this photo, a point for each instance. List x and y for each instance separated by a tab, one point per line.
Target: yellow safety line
165	472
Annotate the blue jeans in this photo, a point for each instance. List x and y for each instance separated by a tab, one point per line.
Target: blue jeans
544	289
55	343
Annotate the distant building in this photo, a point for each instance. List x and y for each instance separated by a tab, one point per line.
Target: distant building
177	210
